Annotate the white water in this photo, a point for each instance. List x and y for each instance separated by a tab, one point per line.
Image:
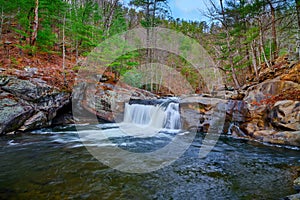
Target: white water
173	116
141	121
148	120
153	115
237	128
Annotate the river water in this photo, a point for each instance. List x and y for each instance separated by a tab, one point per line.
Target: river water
54	164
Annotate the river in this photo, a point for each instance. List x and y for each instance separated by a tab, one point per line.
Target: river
54	164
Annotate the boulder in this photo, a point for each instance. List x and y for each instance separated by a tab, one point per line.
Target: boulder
290	138
37	120
285	115
293	197
200	112
279	124
106	100
28	104
297	184
269	88
293	75
197	112
25	89
12	113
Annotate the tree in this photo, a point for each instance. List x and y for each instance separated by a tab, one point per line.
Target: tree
153	11
35	24
298	20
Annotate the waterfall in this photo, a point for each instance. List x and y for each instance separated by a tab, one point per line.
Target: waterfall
173	117
235	130
153	115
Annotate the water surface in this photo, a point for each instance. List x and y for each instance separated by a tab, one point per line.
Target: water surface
53	164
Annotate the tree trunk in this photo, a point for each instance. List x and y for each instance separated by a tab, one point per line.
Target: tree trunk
35	24
2	22
254	59
298	18
261	45
109	18
236	82
64	51
274	34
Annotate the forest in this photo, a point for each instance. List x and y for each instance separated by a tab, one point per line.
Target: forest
55	36
121	99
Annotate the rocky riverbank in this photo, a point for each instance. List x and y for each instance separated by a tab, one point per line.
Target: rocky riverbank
267	109
28	104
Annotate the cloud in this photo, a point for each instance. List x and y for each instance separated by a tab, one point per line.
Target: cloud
189	5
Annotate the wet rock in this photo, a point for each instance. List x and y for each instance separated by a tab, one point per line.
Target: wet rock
237	111
290	138
200	112
12	116
63	119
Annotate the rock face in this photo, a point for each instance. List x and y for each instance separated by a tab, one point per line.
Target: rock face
199	112
268	89
285	115
106	100
28	104
269	112
274	120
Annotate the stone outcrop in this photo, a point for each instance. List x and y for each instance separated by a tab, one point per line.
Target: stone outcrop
268	89
285	115
28	104
106	100
200	112
269	111
274	108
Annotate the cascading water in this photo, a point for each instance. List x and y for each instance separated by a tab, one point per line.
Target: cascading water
235	129
147	115
173	117
155	116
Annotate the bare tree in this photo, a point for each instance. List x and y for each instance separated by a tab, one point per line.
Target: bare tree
273	27
2	21
35	25
298	18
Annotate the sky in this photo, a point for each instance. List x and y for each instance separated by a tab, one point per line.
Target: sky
186	9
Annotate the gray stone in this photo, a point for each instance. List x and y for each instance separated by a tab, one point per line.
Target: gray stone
106	100
12	115
37	120
293	197
25	89
28	104
297	184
